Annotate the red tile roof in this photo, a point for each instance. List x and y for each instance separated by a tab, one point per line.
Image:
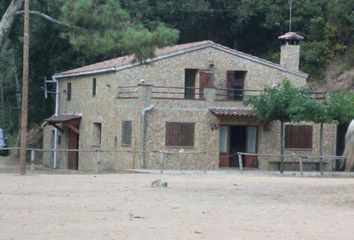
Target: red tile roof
291	36
115	62
62	118
232	112
124	62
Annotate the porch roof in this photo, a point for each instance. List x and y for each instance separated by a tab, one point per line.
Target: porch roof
69	121
62	119
232	112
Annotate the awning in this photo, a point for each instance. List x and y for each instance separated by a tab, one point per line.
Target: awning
232	112
69	121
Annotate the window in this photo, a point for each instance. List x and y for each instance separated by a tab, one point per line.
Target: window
126	133
235	84
224	139
251	139
189	83
93	87
97	134
68	91
298	136
179	134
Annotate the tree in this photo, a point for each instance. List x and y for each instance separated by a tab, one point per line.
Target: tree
277	104
340	109
102	29
8	20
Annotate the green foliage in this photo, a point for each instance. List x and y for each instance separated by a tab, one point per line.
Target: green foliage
104	29
340	106
287	103
277	103
143	42
96	26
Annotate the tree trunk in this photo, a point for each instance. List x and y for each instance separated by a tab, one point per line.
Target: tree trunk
8	20
282	147
321	149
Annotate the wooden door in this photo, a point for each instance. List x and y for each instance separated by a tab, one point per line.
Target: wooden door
73	156
251	147
205	81
224	146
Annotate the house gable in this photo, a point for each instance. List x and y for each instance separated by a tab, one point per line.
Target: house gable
126	62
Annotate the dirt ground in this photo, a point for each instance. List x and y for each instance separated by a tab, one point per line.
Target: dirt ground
125	206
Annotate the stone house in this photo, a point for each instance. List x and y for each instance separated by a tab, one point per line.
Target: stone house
186	101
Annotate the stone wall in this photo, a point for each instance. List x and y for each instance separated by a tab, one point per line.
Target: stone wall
110	111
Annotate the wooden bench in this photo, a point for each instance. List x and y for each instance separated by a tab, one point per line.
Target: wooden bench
301	162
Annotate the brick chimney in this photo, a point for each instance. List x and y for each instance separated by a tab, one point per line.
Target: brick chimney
290	50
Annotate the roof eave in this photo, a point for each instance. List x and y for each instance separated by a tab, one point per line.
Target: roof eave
78	74
191	49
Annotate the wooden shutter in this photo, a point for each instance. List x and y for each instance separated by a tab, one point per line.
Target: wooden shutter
205	81
230	78
179	134
126	137
298	136
68	91
94	87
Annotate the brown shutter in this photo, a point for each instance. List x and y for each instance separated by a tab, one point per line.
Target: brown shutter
230	78
179	134
126	136
68	91
298	136
205	81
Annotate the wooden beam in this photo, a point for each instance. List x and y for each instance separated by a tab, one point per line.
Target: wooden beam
72	127
57	127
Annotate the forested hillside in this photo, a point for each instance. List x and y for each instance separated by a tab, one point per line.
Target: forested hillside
68	33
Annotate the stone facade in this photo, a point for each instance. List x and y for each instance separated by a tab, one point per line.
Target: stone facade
290	56
122	96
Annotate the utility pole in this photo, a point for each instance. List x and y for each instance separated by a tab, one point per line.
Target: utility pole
2	103
290	13
24	110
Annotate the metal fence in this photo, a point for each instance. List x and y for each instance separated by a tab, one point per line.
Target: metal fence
280	162
108	160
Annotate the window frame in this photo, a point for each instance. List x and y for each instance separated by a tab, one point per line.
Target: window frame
235	84
297	133
94	87
68	91
187	129
96	143
125	131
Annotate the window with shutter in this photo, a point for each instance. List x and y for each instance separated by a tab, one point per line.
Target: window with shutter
235	84
189	83
97	134
126	138
68	91
179	134
93	87
298	136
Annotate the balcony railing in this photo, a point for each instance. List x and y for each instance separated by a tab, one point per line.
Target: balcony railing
160	92
234	94
191	93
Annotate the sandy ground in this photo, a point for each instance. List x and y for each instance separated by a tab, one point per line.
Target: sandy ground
124	206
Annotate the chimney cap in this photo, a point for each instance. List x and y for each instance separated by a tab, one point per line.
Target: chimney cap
291	36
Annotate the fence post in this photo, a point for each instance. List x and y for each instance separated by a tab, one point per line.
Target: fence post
240	161
33	155
206	162
301	166
161	161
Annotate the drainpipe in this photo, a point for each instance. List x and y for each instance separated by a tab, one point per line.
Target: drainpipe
142	134
55	129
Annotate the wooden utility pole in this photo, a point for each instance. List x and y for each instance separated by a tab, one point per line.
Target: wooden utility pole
2	103
24	110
